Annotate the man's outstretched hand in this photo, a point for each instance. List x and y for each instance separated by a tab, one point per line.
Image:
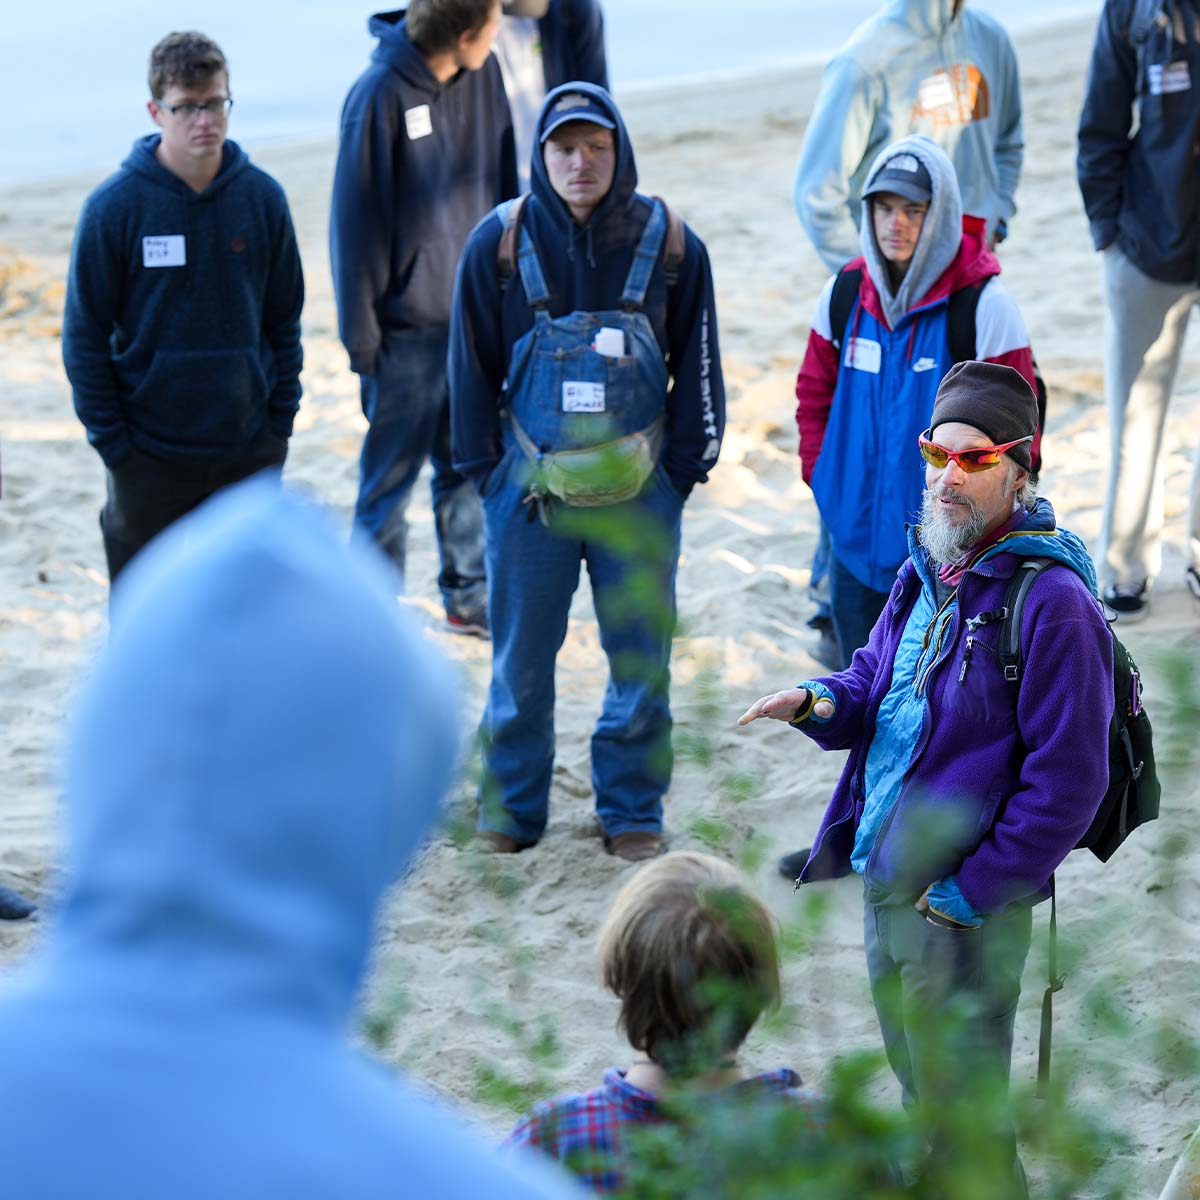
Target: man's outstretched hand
783	706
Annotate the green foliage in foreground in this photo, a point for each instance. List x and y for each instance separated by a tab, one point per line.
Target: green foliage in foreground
870	1148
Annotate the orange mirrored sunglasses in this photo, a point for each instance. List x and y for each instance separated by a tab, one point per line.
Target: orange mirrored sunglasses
982	458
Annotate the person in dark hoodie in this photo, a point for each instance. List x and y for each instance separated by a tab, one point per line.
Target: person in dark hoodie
181	329
1139	173
963	792
425	150
586	402
187	1017
542	44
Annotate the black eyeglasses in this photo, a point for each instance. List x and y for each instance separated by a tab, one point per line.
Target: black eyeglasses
217	109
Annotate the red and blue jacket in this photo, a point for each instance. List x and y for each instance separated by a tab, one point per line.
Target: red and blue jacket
863	404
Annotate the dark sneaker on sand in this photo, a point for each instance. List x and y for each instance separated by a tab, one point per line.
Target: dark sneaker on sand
790	865
1128	601
471	624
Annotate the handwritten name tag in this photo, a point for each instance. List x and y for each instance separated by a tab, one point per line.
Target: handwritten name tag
582	397
166	250
864	355
418	122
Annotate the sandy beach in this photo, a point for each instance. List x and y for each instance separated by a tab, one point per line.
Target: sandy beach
466	944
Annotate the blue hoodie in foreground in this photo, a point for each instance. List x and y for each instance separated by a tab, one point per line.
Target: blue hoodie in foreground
189	361
419	162
259	751
585	268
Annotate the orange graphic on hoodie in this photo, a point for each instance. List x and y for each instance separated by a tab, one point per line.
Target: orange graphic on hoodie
954	97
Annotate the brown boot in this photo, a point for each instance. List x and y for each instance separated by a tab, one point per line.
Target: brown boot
636	845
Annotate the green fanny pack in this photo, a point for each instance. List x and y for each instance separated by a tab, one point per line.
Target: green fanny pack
607	473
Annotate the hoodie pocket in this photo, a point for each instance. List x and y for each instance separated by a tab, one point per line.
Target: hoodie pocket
206	399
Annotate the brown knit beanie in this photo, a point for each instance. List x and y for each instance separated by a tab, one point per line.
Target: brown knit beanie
992	398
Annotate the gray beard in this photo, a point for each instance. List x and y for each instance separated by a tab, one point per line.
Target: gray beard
944	541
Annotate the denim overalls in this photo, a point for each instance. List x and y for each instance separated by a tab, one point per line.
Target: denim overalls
582	441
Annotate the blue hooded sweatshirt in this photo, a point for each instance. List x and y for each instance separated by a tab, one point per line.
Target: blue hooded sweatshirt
181	331
259	751
419	162
585	268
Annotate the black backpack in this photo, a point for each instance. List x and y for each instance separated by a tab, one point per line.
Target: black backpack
960	326
1133	791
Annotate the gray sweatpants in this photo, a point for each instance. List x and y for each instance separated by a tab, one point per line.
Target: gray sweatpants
1147	320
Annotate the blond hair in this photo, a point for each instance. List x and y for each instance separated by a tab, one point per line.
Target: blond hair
691	953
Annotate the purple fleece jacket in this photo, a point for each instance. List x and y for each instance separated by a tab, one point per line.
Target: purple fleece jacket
996	793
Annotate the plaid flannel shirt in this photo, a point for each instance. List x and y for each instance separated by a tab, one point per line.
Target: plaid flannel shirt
585	1131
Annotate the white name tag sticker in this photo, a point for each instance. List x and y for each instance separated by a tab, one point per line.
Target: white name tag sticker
418	122
863	355
936	91
167	250
1166	78
582	397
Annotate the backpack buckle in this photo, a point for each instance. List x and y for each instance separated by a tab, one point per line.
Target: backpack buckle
1011	672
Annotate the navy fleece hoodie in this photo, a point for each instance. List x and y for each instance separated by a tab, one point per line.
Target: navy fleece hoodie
585	269
258	754
419	162
188	361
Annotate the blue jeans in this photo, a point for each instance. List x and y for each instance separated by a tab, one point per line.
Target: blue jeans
407	404
631	551
946	1000
818	579
856	607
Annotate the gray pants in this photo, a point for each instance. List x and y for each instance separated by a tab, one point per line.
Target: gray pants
946	1001
1147	320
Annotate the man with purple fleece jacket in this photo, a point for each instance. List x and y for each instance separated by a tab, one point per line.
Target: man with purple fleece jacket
963	792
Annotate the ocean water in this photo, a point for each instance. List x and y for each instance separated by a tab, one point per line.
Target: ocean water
75	89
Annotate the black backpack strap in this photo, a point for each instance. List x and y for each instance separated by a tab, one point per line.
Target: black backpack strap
960	321
1054	984
1008	644
506	251
841	302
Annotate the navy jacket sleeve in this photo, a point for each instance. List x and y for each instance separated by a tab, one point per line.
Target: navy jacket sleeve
696	401
1105	122
281	323
90	314
362	219
477	359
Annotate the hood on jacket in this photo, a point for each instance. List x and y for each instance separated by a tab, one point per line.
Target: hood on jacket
620	196
260	749
1037	536
397	51
926	18
143	161
941	234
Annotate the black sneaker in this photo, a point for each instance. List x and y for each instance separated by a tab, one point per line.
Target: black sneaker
471	624
1128	601
790	865
1193	581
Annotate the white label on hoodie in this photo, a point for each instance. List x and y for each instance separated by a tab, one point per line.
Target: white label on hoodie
167	250
864	355
1172	77
418	122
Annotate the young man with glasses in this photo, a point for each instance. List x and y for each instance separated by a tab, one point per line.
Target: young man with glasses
963	791
181	332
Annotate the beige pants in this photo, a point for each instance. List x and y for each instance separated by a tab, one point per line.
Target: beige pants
1147	320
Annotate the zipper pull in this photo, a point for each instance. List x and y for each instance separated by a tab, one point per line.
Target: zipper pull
966	657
